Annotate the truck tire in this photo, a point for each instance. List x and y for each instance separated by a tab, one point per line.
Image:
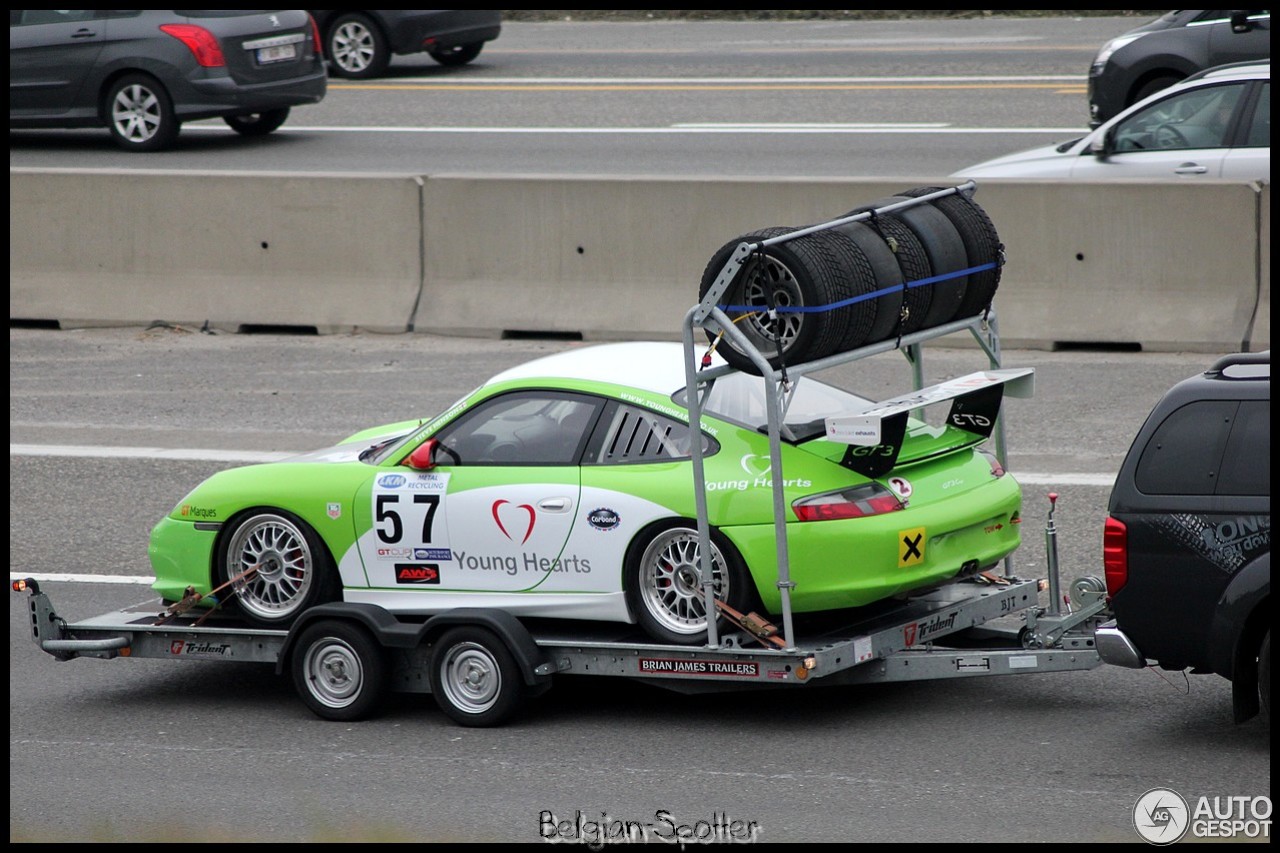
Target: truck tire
981	245
339	670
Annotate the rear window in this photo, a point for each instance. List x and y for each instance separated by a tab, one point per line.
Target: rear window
740	398
1185	452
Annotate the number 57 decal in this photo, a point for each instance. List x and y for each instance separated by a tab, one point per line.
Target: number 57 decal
386	512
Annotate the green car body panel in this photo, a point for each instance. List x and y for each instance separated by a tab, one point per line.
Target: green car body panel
965	517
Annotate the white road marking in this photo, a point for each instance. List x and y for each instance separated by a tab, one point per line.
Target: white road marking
56	577
679	129
1076	79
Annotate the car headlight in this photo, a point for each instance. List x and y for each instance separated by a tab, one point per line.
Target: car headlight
1112	46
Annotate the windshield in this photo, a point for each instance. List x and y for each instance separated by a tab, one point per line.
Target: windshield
740	398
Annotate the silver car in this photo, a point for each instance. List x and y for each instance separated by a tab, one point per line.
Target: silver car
1215	124
142	73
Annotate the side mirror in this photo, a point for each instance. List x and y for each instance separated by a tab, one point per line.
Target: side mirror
1104	145
1240	22
424	458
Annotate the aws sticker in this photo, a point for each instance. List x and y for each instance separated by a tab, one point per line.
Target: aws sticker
901	486
911	547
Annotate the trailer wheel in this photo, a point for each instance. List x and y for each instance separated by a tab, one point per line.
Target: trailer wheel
339	670
474	678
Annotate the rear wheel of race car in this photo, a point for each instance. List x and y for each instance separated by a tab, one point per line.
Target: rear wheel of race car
474	678
792	276
294	569
663	586
982	246
339	670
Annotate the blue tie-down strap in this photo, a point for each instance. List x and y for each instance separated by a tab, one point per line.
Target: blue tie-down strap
853	300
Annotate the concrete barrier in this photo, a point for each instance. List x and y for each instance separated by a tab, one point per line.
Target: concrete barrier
1167	266
1162	265
95	247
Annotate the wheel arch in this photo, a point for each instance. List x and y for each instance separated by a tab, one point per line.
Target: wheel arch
1241	619
228	529
635	548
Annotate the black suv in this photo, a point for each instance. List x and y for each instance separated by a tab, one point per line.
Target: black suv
1152	57
1187	546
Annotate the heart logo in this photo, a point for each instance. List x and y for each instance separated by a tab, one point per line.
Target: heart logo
755	465
498	504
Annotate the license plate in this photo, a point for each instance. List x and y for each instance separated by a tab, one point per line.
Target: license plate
279	53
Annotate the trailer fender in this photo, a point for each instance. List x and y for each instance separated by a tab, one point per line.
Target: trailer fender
389	631
534	664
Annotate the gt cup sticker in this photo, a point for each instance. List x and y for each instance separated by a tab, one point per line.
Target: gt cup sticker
911	547
603	518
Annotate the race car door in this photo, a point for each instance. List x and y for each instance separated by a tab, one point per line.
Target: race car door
494	513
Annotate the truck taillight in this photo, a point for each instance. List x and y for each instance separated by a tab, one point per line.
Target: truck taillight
202	43
857	502
1115	555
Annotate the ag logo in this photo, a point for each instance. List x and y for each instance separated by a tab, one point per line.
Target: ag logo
515	517
1161	816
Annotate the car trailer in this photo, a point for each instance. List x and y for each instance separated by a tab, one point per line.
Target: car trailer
481	664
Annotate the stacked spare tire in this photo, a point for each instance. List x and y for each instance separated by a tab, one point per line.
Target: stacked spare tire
860	283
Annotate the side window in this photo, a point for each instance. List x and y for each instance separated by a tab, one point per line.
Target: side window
1195	119
526	428
1246	468
29	17
1185	452
1259	135
637	435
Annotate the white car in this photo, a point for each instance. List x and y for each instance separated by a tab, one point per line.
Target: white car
1215	124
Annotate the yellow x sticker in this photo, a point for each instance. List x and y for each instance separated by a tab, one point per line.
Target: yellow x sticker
911	547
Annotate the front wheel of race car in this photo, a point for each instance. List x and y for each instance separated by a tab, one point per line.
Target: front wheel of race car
293	569
664	588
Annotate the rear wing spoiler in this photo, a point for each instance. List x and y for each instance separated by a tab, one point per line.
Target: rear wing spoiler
875	435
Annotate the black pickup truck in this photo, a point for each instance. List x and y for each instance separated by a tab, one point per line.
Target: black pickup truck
1187	544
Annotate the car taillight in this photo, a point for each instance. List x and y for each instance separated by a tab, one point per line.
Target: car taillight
202	43
1115	555
857	502
315	37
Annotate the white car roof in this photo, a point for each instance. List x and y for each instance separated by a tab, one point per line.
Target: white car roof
654	366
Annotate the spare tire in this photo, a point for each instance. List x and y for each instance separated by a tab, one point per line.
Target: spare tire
981	244
942	245
913	265
874	261
805	273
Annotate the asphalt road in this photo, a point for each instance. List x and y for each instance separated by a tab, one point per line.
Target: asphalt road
195	751
159	750
812	98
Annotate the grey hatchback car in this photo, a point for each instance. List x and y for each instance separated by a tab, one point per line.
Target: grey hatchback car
142	73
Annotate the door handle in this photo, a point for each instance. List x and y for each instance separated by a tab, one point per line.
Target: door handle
84	34
554	504
1190	169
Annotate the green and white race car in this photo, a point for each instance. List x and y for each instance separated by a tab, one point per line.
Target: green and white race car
564	488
